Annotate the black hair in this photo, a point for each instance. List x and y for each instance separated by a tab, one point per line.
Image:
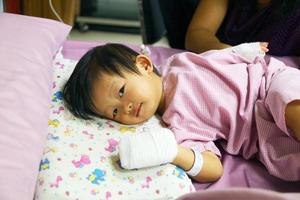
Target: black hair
110	58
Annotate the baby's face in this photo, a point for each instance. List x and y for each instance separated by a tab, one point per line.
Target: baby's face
129	100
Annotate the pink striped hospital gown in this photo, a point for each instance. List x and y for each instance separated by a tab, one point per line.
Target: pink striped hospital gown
222	96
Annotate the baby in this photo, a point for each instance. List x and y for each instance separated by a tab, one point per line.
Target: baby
230	97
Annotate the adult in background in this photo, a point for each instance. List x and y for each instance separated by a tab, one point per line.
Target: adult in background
202	25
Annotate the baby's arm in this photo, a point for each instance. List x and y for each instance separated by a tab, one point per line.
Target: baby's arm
211	170
250	50
159	147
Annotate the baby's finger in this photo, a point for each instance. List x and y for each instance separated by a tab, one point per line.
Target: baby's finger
264	49
264	46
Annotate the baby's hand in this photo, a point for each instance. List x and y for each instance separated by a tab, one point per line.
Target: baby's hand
250	50
147	149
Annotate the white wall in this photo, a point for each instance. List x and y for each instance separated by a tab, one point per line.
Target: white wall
1	6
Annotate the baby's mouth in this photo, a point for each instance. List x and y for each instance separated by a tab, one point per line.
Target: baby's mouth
138	109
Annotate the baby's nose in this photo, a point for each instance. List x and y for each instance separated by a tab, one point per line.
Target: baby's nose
128	108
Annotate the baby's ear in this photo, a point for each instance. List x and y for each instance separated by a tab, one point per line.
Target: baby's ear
144	62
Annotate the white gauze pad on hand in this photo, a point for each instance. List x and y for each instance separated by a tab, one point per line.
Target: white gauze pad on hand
248	50
151	148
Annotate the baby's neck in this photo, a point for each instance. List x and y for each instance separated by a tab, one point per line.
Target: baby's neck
161	106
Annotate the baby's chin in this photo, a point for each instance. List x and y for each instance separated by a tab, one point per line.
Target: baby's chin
138	121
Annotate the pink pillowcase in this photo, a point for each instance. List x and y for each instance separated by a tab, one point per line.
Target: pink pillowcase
28	45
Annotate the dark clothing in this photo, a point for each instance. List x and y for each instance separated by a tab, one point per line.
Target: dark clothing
177	15
278	24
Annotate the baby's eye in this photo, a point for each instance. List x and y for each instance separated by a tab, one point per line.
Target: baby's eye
121	91
115	112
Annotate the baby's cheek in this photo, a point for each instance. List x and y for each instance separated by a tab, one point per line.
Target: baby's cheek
126	119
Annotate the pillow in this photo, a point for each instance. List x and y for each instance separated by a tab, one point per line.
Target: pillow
80	157
28	45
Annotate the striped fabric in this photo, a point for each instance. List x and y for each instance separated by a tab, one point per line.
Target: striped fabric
221	98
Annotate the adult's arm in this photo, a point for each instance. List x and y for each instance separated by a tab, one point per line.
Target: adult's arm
207	19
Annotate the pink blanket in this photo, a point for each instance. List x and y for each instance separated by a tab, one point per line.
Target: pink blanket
237	172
